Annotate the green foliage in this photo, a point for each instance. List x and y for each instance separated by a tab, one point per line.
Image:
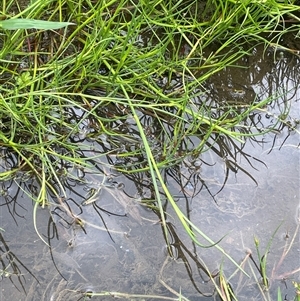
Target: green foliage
123	60
147	57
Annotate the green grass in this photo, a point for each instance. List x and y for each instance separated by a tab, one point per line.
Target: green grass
120	61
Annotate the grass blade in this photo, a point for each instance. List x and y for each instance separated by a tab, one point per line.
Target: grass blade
13	24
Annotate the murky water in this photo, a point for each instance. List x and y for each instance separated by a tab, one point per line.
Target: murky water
101	237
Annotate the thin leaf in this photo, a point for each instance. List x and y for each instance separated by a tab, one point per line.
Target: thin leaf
13	24
279	298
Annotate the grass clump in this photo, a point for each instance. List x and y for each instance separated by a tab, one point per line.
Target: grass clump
147	57
124	65
129	77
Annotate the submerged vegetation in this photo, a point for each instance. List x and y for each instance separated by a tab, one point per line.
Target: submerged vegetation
122	86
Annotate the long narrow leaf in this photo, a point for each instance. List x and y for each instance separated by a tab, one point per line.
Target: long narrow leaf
13	24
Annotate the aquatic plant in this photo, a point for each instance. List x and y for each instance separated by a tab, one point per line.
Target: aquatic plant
129	79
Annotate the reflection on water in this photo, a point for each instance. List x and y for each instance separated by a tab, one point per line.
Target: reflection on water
12	267
103	233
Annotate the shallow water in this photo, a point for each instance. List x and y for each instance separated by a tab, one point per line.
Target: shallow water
238	190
